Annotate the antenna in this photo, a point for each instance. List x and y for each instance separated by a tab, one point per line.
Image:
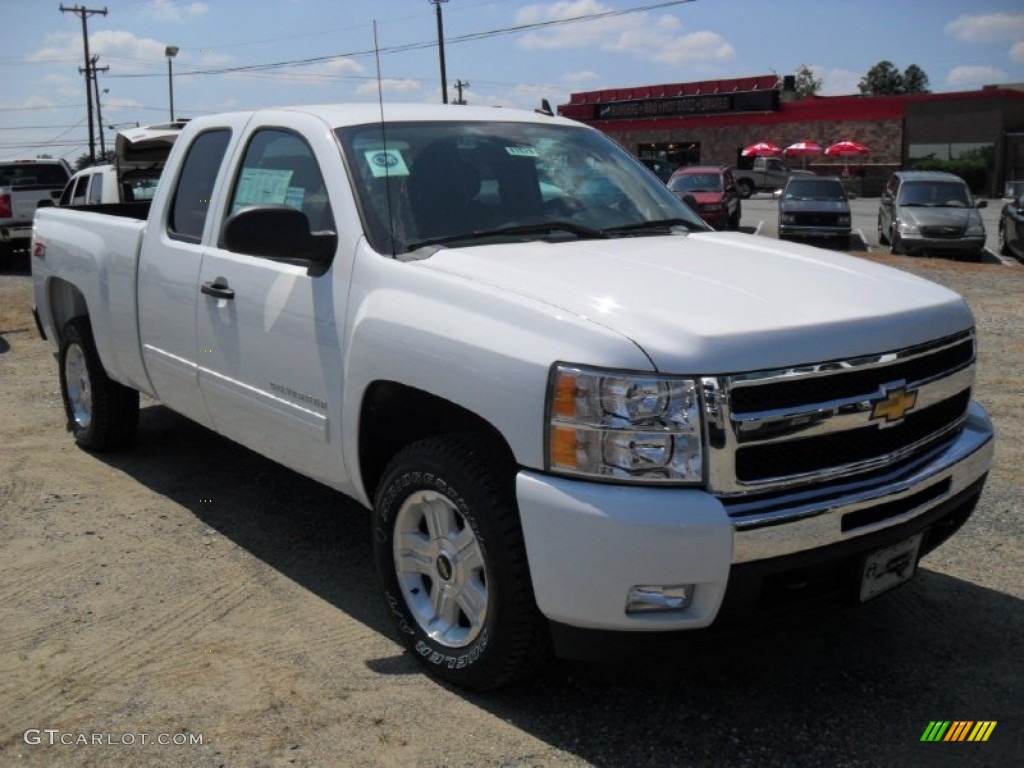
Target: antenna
384	142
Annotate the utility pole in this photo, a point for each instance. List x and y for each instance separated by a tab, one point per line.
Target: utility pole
459	86
96	89
440	50
84	13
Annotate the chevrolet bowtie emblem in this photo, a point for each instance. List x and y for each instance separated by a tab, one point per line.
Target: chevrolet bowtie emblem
895	406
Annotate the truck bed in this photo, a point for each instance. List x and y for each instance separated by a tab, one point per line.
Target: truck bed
100	246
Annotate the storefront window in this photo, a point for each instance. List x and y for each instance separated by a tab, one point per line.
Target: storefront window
974	162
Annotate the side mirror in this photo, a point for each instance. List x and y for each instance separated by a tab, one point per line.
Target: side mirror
281	233
981	204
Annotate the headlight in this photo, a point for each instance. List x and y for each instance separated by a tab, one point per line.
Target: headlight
632	427
843	221
788	218
975	229
906	228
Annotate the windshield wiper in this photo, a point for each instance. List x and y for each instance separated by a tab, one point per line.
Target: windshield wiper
659	224
539	228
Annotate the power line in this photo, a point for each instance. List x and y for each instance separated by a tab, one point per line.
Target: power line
469	37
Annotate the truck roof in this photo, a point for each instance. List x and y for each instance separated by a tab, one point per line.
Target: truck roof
340	115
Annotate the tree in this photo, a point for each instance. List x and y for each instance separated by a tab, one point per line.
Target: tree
806	83
915	80
883	79
82	161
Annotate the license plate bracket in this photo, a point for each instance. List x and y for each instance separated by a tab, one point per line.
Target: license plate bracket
889	566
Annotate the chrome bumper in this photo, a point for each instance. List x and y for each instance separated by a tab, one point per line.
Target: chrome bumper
787	526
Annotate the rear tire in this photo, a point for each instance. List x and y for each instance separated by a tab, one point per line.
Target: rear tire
452	562
102	414
746	188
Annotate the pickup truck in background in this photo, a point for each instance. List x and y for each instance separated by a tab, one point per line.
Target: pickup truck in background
767	174
23	184
139	157
575	411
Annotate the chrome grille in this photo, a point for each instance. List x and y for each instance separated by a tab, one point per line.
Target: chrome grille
814	424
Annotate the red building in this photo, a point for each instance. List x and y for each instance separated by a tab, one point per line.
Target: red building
979	134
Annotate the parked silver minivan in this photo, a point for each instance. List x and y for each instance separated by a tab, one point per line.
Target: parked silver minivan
930	211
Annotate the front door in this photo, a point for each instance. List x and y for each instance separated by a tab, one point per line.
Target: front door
269	348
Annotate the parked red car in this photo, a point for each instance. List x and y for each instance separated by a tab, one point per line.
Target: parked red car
714	190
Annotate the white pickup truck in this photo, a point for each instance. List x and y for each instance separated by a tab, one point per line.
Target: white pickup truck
575	411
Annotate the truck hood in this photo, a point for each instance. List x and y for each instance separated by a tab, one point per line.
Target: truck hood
711	303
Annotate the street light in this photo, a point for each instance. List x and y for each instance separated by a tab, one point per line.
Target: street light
170	52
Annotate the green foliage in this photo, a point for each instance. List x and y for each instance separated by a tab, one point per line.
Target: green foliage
884	79
82	161
972	166
915	80
806	83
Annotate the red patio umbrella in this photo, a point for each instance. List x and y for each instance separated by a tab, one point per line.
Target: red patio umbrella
847	149
803	149
761	149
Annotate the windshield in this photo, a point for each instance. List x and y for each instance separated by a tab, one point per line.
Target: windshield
935	194
814	189
696	182
461	183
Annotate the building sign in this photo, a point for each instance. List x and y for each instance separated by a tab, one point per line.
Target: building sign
711	104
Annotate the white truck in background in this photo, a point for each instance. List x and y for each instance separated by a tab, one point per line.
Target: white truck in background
574	410
139	157
23	185
766	175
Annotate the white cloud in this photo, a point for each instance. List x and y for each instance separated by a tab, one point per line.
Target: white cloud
974	75
837	82
696	47
1017	51
987	27
115	103
131	52
579	77
389	84
170	10
660	39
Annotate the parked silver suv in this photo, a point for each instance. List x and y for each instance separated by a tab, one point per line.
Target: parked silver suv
930	211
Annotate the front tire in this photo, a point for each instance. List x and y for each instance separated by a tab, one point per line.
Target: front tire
102	414
896	241
1004	247
882	238
452	563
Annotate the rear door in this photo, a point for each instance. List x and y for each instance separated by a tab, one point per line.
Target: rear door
169	273
270	352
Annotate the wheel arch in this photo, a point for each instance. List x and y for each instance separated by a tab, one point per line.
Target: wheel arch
394	415
66	302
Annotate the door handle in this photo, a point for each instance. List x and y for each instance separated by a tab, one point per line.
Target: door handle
218	289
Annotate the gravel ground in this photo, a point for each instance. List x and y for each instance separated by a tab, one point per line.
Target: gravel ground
192	589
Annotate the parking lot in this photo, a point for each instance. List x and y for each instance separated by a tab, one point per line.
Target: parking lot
191	589
760	216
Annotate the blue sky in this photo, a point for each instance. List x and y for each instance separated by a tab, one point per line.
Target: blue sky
960	45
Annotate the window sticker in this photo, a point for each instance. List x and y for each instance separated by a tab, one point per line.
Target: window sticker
294	197
386	162
261	186
522	151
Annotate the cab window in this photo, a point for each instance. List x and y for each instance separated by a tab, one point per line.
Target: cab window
280	169
191	201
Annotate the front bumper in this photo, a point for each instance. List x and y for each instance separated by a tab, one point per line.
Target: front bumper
919	244
795	230
589	543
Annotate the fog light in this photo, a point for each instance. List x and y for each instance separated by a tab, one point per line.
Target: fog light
654	599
